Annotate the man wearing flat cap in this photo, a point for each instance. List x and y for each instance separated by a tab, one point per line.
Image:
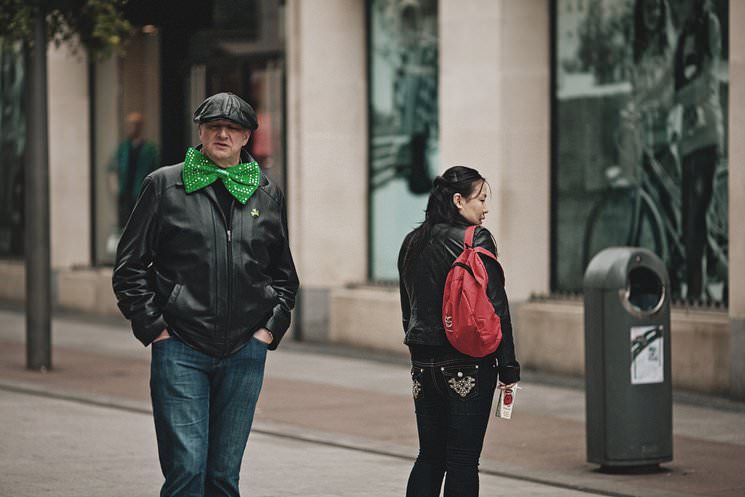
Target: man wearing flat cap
204	273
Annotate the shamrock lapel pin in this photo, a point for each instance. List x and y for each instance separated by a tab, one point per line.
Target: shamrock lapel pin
255	212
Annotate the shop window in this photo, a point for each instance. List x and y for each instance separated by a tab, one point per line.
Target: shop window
126	135
404	128
12	147
639	158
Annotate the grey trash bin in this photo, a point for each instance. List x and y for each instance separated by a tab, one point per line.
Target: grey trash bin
627	359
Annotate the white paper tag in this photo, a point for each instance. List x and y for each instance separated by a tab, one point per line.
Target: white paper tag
505	401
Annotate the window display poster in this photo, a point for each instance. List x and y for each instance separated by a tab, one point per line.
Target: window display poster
640	112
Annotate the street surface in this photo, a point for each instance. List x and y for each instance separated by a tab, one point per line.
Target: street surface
330	422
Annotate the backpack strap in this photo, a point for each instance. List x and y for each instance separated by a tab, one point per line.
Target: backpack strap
468	243
483	251
468	238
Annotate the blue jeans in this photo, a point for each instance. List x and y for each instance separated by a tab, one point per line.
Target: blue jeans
453	399
203	408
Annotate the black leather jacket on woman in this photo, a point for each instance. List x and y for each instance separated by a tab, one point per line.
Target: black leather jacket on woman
422	288
211	281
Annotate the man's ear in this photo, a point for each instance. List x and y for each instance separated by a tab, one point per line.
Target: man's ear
248	135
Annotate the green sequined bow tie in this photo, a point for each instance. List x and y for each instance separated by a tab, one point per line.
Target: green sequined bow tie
199	171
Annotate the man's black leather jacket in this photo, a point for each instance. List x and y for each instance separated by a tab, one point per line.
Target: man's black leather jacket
422	285
209	280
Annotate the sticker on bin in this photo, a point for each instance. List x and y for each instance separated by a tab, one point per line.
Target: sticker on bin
647	358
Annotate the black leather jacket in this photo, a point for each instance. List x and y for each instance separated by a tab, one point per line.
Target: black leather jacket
211	281
423	284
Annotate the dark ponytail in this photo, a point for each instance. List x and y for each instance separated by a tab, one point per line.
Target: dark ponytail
440	207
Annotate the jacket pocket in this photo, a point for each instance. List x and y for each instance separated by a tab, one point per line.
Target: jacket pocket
164	288
462	382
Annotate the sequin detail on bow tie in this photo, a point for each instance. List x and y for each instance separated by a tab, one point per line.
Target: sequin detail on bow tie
199	171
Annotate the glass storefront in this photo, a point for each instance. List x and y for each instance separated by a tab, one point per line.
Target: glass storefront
12	147
404	128
143	101
126	135
640	127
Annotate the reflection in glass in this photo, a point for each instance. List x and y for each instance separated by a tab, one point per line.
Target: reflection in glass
640	105
12	146
404	133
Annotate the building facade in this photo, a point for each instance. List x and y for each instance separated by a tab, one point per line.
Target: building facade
366	101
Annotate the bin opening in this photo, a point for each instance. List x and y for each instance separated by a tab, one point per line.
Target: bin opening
645	289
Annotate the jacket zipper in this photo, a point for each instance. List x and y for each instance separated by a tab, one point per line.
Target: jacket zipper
229	231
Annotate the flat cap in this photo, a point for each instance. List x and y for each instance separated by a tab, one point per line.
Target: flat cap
227	106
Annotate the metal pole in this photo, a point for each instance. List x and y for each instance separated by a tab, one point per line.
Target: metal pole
38	290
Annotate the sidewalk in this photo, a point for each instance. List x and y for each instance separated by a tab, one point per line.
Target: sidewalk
329	425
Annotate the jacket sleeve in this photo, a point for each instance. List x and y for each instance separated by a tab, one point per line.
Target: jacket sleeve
284	282
509	368
405	305
134	256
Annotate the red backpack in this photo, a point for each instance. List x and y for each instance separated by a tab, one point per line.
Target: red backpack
471	324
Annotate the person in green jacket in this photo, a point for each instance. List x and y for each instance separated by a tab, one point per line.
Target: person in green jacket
135	158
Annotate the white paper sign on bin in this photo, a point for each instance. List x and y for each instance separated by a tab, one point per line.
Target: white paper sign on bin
647	358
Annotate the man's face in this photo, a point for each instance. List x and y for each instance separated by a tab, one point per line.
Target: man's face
222	141
134	125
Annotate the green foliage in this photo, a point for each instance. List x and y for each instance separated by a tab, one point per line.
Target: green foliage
98	26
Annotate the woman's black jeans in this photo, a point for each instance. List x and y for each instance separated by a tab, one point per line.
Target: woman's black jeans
453	398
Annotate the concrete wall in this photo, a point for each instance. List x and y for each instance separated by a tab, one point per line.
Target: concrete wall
736	196
69	157
86	290
12	281
362	317
494	116
550	338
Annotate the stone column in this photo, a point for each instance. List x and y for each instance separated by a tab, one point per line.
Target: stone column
495	116
327	148
69	157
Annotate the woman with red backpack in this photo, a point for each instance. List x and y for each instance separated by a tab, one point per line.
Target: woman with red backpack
453	390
